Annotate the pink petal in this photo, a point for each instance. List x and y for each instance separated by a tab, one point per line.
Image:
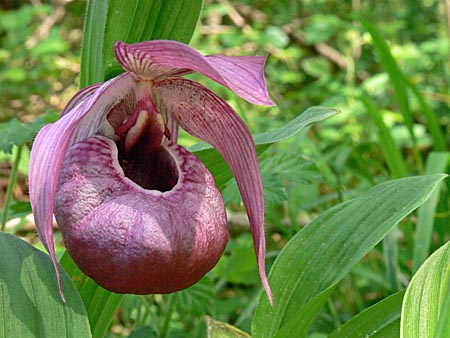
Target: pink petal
206	116
50	147
245	74
161	58
79	97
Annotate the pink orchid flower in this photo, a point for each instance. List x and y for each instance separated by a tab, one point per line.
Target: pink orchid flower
138	212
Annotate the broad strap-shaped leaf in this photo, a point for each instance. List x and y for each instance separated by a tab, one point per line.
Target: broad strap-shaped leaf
322	253
203	114
30	304
426	307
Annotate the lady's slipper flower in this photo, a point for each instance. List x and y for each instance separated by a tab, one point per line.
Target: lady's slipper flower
138	212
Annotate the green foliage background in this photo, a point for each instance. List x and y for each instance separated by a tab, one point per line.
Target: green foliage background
320	53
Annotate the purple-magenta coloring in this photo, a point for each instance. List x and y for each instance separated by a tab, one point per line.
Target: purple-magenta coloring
138	212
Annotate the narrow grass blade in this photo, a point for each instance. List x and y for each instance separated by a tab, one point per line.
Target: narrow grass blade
395	74
391	259
433	124
392	155
398	82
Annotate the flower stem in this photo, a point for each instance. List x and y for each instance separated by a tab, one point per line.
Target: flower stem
9	190
170	307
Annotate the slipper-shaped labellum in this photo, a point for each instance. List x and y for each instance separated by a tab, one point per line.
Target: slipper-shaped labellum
138	212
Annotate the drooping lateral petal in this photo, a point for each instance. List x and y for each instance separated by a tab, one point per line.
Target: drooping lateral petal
246	73
152	59
206	116
50	147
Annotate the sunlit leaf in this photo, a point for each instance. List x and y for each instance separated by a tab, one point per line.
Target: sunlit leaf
426	307
216	329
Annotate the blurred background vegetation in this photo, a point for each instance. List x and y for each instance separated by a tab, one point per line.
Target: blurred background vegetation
319	53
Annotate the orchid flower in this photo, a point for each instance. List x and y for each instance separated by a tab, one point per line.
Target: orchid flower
138	213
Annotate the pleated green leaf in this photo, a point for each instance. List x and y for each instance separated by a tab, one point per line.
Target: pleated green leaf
30	304
130	21
379	319
323	252
426	307
219	168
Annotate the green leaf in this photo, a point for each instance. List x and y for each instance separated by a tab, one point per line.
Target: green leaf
216	329
237	264
177	20
304	317
92	61
395	74
375	320
436	163
30	303
433	123
426	307
15	132
100	304
398	81
391	151
130	21
219	168
323	252
143	332
197	299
